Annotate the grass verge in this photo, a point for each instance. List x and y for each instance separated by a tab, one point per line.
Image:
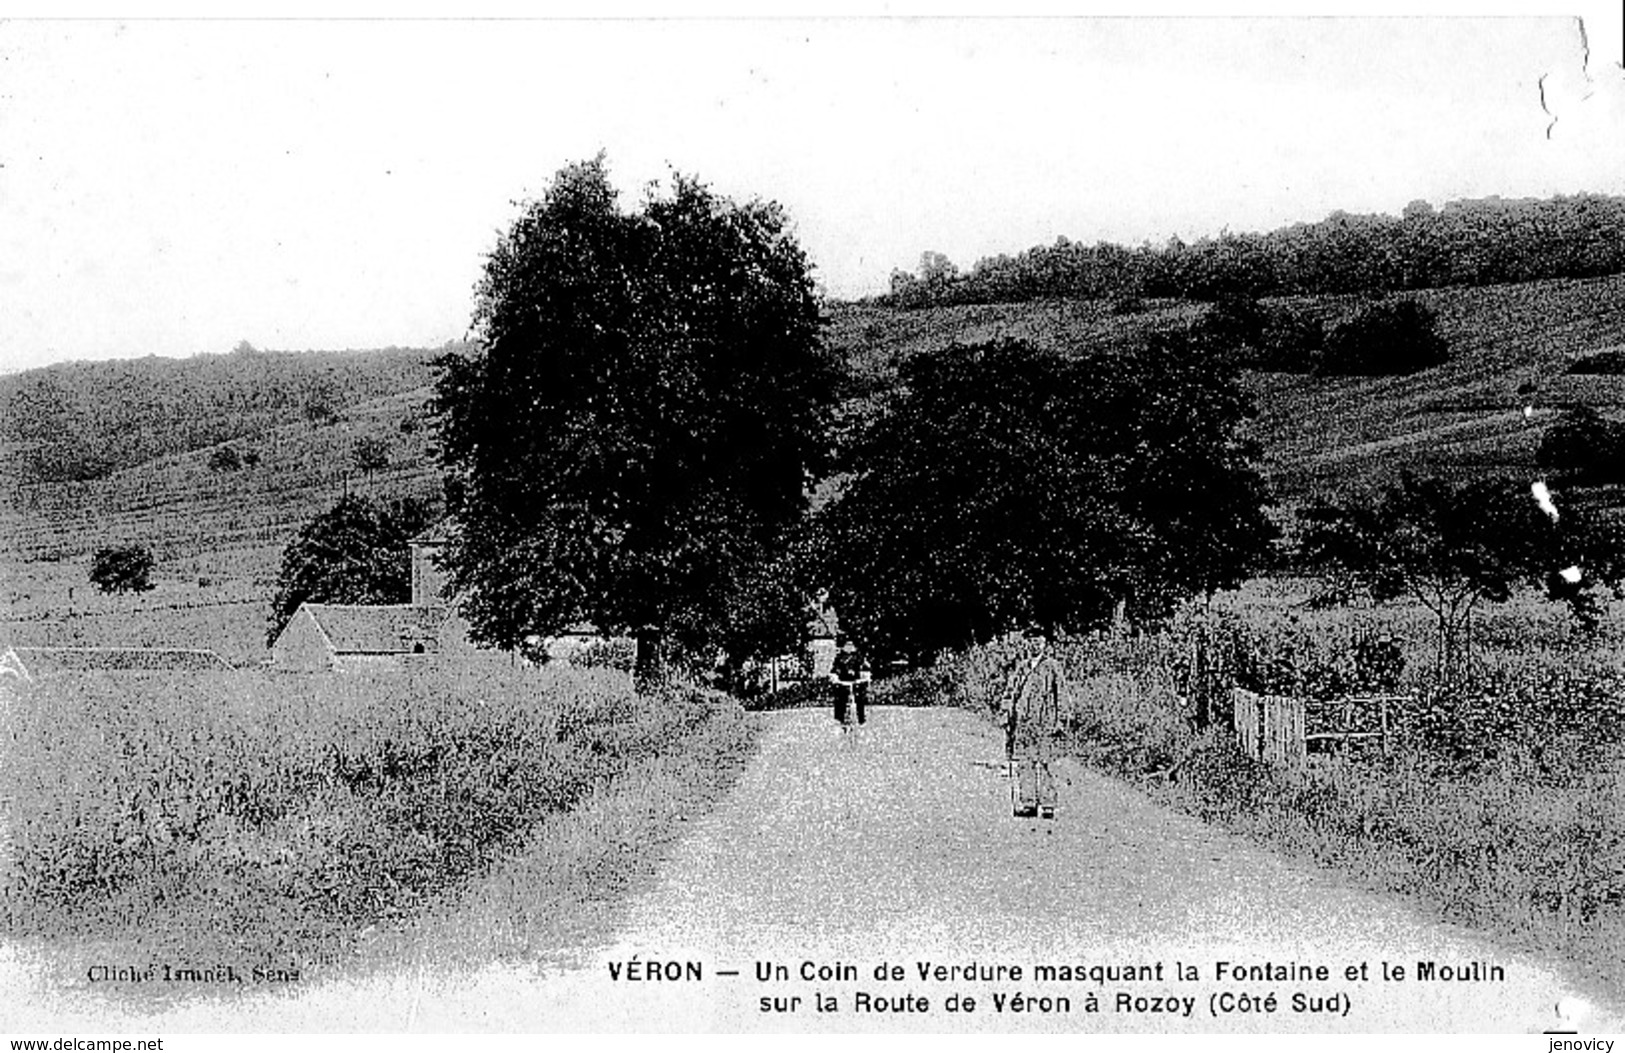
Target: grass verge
285	821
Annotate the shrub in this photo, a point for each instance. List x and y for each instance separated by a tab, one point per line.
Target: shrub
122	568
1255	336
1388	337
225	459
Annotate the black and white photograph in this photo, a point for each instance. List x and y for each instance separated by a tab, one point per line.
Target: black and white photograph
920	524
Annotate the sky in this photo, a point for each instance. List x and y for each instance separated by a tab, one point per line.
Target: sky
173	187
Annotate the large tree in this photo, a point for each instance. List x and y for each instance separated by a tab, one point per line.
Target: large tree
1008	485
639	420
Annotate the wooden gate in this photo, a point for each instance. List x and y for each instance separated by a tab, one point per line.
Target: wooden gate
1270	728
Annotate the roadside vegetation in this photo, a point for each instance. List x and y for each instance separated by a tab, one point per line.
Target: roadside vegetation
257	818
1500	803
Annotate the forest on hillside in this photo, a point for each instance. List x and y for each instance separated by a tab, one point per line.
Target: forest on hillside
1484	241
85	420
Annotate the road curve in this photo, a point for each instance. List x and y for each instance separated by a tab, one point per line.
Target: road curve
894	846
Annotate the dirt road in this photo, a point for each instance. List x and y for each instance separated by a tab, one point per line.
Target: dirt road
894	846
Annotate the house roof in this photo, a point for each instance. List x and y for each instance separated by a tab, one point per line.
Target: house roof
435	535
392	629
44	661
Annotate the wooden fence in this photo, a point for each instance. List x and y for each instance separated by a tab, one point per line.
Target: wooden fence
1347	708
1270	728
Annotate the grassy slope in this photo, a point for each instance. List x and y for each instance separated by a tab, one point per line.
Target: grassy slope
1463	417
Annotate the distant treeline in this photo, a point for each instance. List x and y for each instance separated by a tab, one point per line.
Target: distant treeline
84	420
1471	242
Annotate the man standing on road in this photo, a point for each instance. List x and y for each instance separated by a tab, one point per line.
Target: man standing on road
1033	722
850	675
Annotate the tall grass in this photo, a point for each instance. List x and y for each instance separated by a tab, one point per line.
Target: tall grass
255	814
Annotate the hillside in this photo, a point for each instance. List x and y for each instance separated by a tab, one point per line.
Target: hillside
1329	435
218	534
76	421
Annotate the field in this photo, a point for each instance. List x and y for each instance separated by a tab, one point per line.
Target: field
274	820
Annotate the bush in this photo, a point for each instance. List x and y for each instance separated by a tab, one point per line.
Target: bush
225	459
122	568
1251	335
1385	338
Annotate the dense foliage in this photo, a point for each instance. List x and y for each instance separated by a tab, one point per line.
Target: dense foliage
639	423
122	568
1469	242
1385	338
1008	485
1254	335
355	552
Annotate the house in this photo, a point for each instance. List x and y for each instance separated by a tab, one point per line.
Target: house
326	637
31	663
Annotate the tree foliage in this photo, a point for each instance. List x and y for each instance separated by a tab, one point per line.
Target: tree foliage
1388	337
371	454
122	568
225	459
1454	546
355	552
639	422
1253	335
1008	485
1467	242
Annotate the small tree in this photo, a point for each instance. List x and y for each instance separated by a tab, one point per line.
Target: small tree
371	455
1250	334
355	552
122	568
1452	547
